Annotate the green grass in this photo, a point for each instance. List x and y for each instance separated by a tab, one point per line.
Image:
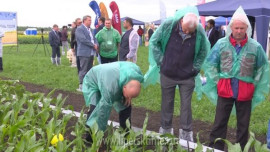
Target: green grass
39	70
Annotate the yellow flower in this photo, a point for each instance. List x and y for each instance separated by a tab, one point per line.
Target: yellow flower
56	138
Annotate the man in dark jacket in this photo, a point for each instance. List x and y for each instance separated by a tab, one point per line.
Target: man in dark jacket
54	40
212	33
129	42
101	22
151	31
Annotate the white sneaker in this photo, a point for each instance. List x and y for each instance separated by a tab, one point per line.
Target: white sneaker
186	135
165	131
80	88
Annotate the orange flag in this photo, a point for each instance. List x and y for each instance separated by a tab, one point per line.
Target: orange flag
103	10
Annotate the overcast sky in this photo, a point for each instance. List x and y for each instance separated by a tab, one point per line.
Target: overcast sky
45	13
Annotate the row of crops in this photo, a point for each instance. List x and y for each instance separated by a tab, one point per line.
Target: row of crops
28	123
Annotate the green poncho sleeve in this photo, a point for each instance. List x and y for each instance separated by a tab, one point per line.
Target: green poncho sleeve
201	49
100	115
97	93
262	77
211	71
155	54
91	88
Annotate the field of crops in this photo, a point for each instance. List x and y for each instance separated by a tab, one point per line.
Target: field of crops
29	123
25	125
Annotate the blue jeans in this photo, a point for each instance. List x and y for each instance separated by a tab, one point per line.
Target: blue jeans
140	40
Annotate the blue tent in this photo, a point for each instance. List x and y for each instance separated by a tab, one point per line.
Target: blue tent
222	21
157	22
135	22
259	9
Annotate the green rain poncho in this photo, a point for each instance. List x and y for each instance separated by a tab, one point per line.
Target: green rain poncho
102	87
250	65
108	40
159	40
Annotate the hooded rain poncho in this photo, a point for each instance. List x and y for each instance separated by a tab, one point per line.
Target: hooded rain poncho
102	87
250	65
158	43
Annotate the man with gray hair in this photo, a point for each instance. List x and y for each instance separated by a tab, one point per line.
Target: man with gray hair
237	74
86	47
178	48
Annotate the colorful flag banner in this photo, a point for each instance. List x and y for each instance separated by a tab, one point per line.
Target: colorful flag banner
116	19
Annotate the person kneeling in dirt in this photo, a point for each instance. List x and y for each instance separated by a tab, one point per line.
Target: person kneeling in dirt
111	85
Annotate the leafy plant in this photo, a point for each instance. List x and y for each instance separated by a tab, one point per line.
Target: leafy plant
25	126
97	136
252	143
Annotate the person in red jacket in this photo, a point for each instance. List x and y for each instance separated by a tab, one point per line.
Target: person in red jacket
237	72
140	32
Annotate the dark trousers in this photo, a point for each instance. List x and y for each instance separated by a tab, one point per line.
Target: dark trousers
108	60
77	60
86	64
186	88
56	51
223	111
124	115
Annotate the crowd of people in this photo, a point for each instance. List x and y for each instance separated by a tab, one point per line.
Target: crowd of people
235	66
104	42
